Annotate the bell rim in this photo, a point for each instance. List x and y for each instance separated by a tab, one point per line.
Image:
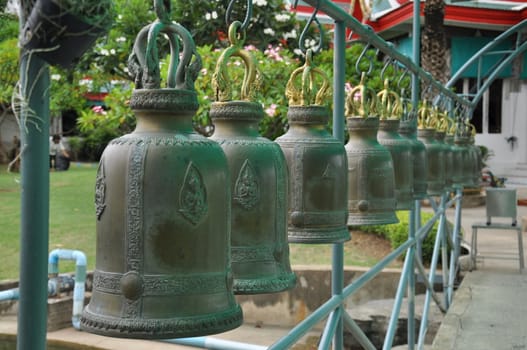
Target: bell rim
316	235
138	328
270	284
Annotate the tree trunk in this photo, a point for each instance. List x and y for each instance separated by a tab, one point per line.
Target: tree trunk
433	41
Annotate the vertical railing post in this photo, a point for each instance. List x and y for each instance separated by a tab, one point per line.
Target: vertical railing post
431	279
454	254
34	212
411	281
339	80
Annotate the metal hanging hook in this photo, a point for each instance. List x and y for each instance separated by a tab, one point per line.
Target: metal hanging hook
302	38
248	14
364	56
163	9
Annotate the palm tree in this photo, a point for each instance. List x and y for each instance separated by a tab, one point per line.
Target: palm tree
433	40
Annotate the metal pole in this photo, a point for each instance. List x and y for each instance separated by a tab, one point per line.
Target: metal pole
339	64
416	52
34	214
411	281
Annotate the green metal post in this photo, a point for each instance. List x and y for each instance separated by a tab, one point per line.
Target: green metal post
411	281
34	214
339	64
416	52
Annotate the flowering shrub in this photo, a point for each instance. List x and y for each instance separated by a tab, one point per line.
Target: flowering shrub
271	22
275	65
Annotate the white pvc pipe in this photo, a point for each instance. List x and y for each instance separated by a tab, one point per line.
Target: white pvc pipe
10	294
80	278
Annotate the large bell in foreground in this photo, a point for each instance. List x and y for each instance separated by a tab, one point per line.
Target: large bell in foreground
163	215
318	168
259	184
401	151
419	160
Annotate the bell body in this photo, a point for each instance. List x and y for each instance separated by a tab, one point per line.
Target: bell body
435	160
478	162
467	159
163	224
419	159
401	151
456	162
449	159
259	186
318	170
371	178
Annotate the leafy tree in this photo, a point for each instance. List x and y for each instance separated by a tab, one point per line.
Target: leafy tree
271	24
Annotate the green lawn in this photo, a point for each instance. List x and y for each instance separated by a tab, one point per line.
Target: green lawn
72	216
72	224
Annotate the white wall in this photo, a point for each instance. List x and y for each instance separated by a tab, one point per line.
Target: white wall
507	161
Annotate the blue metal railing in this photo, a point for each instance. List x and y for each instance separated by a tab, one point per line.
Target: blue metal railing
485	79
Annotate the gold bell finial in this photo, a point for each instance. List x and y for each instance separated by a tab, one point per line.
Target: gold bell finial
361	100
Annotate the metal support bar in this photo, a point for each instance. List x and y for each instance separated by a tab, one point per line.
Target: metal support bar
366	33
454	258
357	332
34	215
392	325
339	67
411	281
333	322
433	265
428	285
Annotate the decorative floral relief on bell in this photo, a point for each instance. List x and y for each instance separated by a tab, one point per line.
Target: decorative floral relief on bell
317	163
399	147
259	179
163	210
371	177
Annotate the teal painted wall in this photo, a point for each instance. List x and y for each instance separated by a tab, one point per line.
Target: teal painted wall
462	49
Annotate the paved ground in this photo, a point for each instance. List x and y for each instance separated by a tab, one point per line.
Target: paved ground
489	309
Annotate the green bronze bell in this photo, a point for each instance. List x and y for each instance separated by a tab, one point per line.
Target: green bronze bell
317	163
443	138
456	158
408	130
259	181
163	212
476	156
462	140
371	178
399	147
434	151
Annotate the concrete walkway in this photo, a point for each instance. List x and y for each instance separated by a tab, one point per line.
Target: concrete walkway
489	311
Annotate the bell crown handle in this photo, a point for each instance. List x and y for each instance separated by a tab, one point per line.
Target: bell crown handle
427	116
143	63
389	103
361	100
222	82
307	94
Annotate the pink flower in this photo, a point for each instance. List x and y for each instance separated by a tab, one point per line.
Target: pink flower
98	110
271	110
